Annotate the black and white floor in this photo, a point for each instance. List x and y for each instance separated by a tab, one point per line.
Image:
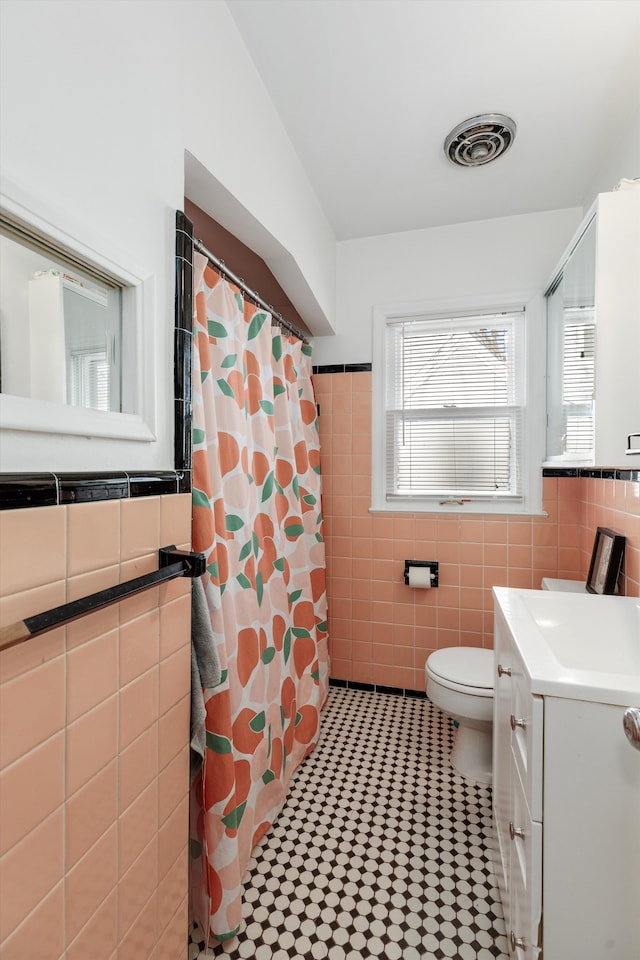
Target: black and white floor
381	849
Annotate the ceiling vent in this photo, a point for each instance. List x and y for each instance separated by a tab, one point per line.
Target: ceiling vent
480	140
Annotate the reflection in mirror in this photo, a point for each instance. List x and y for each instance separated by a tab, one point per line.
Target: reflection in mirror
571	333
61	328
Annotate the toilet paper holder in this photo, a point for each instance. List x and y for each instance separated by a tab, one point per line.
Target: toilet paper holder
433	564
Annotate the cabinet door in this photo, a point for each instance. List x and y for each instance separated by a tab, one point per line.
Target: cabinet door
591	833
596	286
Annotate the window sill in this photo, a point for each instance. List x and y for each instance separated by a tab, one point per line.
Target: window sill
474	508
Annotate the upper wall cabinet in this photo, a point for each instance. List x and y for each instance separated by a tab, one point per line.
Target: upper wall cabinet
593	338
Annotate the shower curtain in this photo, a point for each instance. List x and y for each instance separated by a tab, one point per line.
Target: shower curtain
257	517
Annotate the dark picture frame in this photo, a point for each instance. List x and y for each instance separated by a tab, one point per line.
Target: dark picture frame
606	561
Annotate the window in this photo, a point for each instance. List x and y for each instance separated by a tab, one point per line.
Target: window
452	427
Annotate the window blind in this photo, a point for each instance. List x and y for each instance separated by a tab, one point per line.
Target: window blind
454	402
89	380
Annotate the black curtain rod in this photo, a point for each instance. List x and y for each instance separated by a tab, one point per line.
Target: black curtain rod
172	563
251	294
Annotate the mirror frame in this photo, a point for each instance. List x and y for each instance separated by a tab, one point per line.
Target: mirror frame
40	416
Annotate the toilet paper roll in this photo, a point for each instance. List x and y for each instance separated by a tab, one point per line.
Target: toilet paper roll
420	577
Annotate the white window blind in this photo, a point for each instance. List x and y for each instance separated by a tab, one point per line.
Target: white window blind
454	407
89	379
578	380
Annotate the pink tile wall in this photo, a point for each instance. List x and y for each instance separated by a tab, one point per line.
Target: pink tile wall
94	733
381	631
614	504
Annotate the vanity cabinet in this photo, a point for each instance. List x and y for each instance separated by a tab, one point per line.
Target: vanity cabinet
517	799
566	798
593	337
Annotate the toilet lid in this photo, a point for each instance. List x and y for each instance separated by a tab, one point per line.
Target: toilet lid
467	666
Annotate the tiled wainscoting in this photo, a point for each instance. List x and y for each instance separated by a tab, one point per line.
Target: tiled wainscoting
382	630
94	732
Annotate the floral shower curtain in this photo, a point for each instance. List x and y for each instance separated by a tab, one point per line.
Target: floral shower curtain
257	517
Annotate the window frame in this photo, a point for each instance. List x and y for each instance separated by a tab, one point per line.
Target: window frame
533	426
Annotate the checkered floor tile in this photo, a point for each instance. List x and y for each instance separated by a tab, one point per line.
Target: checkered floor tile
381	849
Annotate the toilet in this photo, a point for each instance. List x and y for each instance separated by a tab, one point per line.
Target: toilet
459	680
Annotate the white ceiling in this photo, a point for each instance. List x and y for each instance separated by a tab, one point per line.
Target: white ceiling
368	90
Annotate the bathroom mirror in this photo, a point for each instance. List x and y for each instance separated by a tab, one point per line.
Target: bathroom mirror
67	335
571	335
77	337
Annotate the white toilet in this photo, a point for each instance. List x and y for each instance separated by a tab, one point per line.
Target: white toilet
459	681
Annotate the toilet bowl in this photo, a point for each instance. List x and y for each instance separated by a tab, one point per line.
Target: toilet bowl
459	680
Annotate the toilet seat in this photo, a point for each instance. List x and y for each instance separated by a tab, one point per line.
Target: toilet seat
466	669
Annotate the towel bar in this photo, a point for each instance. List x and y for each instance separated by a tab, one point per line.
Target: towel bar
172	563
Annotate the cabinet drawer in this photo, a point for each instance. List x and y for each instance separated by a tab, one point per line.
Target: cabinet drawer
526	723
524	918
518	717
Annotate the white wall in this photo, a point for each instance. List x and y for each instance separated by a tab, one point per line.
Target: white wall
621	160
235	133
470	259
99	101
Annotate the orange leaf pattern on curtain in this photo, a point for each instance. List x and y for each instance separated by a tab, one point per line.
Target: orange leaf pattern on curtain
257	518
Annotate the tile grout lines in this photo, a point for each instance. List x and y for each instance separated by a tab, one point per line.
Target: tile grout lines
381	849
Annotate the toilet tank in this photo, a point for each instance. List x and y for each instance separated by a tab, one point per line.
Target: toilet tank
564	586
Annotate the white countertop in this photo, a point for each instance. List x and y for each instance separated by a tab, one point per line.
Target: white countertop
574	645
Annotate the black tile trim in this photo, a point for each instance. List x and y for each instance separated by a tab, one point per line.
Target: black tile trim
183	343
378	688
342	368
183	418
184	239
593	473
86	487
21	490
560	472
184	481
154	484
394	691
183	357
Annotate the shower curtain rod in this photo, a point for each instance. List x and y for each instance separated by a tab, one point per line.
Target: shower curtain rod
251	294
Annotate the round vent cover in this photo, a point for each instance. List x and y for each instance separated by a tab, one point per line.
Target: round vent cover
480	140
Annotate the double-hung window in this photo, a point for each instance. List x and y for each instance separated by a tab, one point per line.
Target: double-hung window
451	412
